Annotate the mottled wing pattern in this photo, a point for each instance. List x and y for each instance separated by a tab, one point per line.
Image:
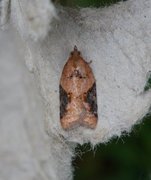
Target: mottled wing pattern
63	101
92	100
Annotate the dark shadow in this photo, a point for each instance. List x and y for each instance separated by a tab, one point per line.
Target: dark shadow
127	158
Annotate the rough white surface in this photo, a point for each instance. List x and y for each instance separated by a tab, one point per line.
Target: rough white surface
26	152
116	39
31	18
4	12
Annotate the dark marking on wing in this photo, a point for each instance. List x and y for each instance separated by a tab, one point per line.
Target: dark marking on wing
92	100
76	73
63	101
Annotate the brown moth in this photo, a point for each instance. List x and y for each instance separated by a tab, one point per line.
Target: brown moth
78	102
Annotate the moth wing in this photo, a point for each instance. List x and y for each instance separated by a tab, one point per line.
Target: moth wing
91	99
63	101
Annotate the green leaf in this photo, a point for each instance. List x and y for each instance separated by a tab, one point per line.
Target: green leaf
87	3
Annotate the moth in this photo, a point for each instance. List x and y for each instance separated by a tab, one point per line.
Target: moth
78	98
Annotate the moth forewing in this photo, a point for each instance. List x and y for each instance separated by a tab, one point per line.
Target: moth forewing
78	97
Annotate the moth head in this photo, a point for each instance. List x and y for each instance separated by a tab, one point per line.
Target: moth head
75	52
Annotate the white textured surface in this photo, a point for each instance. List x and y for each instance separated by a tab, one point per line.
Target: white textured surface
4	12
116	39
31	18
26	153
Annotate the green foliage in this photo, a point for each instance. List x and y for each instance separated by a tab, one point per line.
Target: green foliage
127	158
87	3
